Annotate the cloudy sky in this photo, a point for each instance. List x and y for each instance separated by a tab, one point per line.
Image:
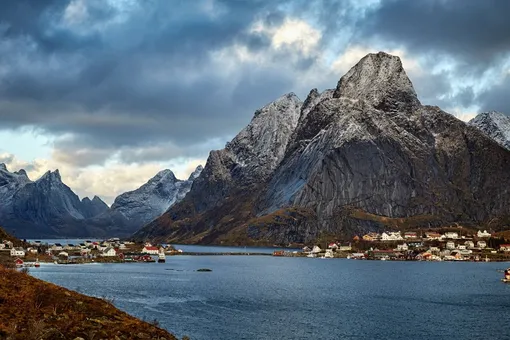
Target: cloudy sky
112	91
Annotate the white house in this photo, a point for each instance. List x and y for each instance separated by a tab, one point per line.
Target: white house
2	246
63	253
461	247
109	252
433	236
469	244
451	234
316	249
483	234
150	250
450	245
481	244
402	247
391	236
18	252
122	246
57	247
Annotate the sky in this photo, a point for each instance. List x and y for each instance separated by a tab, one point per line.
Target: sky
112	91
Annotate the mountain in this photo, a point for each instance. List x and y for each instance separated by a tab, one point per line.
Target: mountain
42	208
495	125
133	209
48	208
93	207
364	156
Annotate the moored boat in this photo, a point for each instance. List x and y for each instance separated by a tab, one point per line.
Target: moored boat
161	257
37	264
506	278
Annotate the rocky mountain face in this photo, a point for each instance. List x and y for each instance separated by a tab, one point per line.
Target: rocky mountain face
49	208
93	207
366	155
495	125
42	208
133	209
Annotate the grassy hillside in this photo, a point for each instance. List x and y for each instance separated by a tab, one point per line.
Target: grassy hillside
34	309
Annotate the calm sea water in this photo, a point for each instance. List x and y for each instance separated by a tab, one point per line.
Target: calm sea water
263	297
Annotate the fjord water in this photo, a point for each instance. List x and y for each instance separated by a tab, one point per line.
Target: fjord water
264	297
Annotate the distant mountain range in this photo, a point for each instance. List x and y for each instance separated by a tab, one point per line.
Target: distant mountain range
365	156
49	208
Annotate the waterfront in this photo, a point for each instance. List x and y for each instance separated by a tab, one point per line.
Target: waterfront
264	297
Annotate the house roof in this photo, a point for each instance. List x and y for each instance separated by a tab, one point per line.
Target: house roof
151	248
505	245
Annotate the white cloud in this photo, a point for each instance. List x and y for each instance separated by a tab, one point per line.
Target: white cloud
353	54
76	12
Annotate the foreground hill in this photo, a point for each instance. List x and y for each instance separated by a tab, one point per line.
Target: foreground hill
35	309
366	155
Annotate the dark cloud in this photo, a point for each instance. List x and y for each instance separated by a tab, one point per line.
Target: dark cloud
472	31
496	98
134	77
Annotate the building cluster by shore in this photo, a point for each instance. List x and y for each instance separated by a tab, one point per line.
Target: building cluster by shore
427	246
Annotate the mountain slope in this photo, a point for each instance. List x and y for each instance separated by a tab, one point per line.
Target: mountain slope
94	207
495	125
133	209
367	151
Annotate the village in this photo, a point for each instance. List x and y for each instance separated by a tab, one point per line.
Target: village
418	246
111	250
391	245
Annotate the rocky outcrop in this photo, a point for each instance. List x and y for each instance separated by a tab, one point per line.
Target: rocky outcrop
494	124
360	157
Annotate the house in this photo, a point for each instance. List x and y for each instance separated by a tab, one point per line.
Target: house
32	250
483	234
306	249
69	246
316	249
18	252
151	250
333	246
410	234
469	244
63	254
109	252
402	247
9	244
481	244
504	247
461	247
433	236
434	250
414	244
57	247
451	234
2	246
122	246
391	236
84	251
450	245
88	243
370	237
345	248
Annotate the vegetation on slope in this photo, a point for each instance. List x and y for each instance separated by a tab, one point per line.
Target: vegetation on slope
34	309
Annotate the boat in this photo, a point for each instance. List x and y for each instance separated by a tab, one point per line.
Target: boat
37	264
487	259
161	257
506	278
